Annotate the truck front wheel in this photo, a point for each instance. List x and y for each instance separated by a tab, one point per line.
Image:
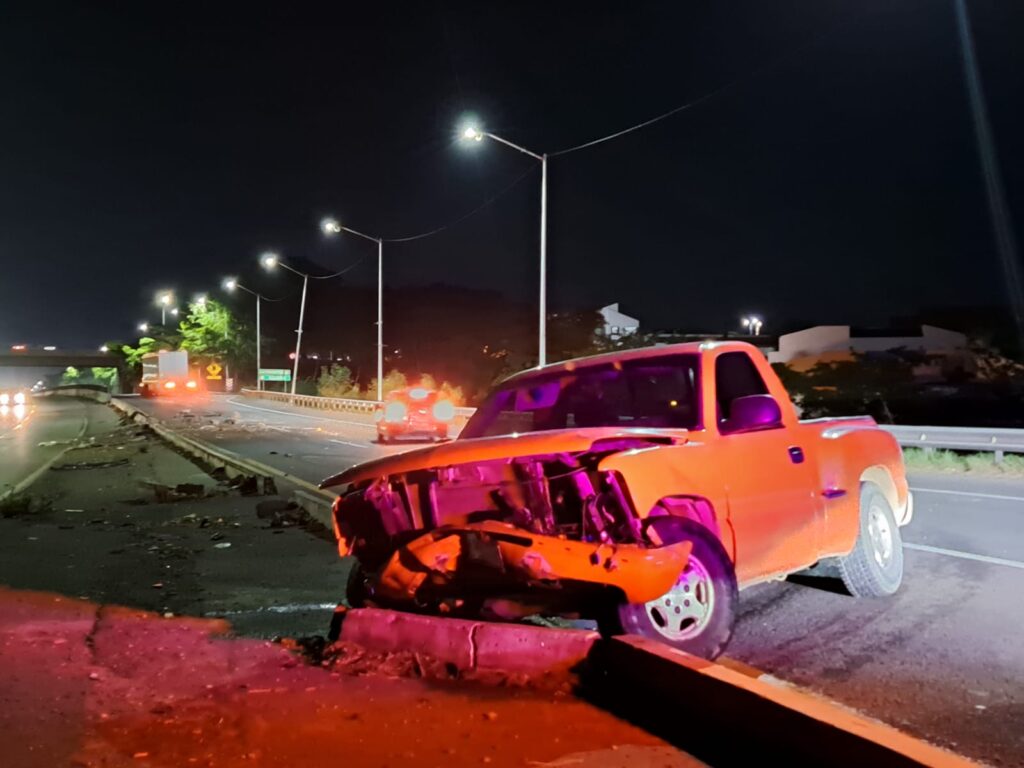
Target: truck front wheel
698	614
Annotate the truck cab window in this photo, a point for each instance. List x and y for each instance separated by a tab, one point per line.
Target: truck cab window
735	376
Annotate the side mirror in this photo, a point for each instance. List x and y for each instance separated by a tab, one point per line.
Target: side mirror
751	413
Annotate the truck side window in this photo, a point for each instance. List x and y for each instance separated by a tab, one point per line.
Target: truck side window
735	376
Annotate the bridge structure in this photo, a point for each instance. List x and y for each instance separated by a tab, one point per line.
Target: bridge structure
63	358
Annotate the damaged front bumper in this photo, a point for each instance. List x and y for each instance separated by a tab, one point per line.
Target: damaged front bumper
441	557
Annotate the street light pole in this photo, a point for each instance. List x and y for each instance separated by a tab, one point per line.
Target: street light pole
332	227
380	319
270	261
231	284
298	337
478	135
542	340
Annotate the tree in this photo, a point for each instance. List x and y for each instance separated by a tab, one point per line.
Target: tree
336	381
211	331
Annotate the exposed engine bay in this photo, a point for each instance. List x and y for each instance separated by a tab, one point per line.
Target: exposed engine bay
534	527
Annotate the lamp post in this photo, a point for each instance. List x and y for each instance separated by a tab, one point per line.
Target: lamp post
753	323
331	227
272	261
164	299
472	133
230	284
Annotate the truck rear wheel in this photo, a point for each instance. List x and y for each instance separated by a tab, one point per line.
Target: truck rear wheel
875	566
698	614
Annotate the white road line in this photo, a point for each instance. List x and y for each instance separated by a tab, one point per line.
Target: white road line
301	415
346	442
969	493
965	555
292	608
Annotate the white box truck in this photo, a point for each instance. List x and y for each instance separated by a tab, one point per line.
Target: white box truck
167	373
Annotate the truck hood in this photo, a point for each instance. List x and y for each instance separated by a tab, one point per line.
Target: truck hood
467	450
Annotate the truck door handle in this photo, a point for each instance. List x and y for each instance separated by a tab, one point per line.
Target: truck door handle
796	454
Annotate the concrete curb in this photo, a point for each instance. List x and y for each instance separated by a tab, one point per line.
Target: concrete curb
733	711
729	700
469	645
316	502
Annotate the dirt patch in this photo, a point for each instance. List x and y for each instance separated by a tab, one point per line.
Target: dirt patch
23	505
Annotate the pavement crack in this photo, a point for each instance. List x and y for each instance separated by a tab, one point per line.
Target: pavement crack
90	638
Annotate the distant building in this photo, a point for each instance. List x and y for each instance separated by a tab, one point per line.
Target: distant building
617	324
829	343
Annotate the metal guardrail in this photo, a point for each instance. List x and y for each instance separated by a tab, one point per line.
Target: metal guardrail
997	441
332	403
981	439
313	401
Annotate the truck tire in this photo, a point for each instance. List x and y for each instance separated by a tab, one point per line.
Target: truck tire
698	614
875	566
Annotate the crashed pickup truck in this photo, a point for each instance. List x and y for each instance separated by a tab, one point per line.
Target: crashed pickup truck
641	489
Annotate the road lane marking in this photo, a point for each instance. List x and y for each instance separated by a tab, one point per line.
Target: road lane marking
969	493
346	442
292	608
965	555
301	415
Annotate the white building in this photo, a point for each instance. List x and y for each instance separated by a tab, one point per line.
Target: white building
616	323
835	342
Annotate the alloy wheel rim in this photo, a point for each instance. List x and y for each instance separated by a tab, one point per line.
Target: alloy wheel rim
685	610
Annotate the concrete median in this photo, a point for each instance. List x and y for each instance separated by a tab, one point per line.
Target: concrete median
722	712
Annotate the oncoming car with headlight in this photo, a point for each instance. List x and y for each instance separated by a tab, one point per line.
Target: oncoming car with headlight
13	397
414	412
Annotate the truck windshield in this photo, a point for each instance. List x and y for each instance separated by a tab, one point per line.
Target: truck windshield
658	392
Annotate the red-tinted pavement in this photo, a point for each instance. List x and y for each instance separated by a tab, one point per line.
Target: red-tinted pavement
89	685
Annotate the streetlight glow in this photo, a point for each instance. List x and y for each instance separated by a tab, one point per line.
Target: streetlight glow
200	300
174	312
269	260
230	283
143	327
472	133
104	348
753	323
330	226
164	298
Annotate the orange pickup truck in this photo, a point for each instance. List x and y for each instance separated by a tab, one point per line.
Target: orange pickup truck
641	489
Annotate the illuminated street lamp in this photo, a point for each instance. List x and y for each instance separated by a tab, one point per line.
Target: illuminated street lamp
164	299
473	133
331	227
104	349
753	324
200	300
144	327
273	261
230	285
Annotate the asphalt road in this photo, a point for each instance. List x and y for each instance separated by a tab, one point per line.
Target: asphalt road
31	436
941	659
123	522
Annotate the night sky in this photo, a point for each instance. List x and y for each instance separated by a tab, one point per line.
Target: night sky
149	145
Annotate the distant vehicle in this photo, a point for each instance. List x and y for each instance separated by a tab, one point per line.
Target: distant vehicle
16	396
640	488
414	412
166	373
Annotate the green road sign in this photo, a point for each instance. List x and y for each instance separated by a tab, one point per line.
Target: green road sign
275	374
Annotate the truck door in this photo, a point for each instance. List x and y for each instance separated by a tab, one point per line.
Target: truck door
771	488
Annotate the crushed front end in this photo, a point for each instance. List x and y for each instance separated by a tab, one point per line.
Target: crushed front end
507	536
